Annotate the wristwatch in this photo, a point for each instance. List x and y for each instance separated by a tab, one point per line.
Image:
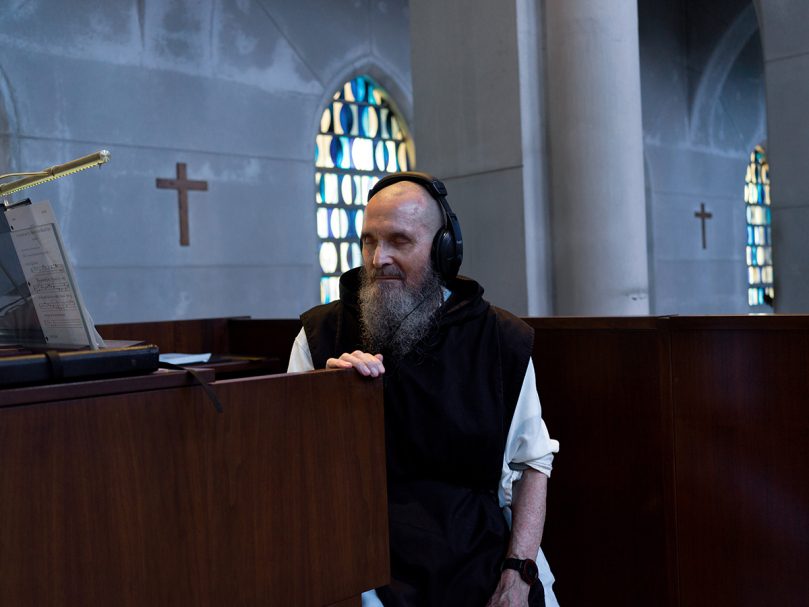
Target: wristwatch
529	572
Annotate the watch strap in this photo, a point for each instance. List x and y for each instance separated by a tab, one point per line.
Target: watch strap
526	567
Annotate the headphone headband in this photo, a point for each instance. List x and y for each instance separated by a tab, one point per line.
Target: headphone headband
447	250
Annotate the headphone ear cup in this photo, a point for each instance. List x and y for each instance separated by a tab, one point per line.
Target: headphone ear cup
443	252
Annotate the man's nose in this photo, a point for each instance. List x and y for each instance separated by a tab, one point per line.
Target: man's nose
381	256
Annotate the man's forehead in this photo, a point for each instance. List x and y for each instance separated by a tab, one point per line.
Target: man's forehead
402	191
405	201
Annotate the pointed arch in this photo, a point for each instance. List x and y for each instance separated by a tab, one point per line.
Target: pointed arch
362	136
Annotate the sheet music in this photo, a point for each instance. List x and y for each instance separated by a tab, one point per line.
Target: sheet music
48	275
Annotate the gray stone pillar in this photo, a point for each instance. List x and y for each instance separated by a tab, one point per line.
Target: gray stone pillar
477	97
786	74
598	206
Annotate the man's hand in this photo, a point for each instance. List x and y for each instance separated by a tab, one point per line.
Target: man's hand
511	591
365	364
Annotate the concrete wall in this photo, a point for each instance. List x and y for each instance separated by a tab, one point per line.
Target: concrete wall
235	89
703	112
786	59
468	132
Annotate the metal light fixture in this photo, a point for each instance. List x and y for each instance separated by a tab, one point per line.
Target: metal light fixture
60	170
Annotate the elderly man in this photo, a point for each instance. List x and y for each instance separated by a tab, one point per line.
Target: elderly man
467	450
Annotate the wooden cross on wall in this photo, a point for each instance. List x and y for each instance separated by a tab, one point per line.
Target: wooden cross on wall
702	216
182	184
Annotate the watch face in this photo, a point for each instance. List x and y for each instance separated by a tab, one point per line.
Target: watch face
529	571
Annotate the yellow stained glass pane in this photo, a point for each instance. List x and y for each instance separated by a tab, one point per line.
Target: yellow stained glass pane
328	257
325	121
331	188
402	157
363	152
345	189
339	223
323	223
371	122
379	156
391	145
338	127
348	94
383	122
329	289
324	152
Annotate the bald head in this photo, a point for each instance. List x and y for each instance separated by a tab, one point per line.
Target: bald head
422	208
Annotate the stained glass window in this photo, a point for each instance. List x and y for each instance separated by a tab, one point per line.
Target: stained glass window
760	289
361	139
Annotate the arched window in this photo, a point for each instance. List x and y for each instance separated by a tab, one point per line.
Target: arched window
361	139
760	289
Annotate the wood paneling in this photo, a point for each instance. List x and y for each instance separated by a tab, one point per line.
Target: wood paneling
742	472
151	498
188	336
683	474
606	522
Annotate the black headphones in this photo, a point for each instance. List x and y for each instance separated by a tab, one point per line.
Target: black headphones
447	250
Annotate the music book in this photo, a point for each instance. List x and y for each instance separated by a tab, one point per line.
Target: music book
40	302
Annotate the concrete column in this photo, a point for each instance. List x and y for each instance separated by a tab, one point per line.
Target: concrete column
598	206
786	74
477	97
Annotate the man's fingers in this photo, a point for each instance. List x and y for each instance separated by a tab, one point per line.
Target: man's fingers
366	364
336	363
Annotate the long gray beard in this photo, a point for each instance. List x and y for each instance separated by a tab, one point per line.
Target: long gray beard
395	319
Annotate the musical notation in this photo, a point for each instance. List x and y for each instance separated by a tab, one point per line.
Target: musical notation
52	291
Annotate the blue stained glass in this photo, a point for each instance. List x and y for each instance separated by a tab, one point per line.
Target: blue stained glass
358	87
352	228
354	255
759	234
336	150
322	186
354	149
369	123
346	118
340	152
382	156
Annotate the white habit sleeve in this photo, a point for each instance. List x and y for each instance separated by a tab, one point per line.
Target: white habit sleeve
301	358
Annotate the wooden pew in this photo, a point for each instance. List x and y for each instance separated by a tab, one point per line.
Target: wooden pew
683	476
135	492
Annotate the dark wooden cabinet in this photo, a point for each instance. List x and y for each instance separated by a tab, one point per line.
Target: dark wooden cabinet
683	474
141	494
